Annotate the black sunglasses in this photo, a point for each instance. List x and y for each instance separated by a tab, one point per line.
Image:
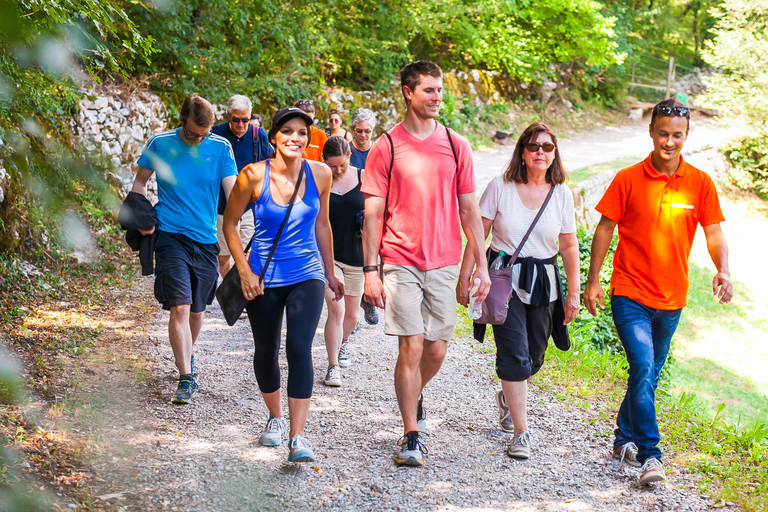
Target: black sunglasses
194	136
243	120
533	147
665	110
304	102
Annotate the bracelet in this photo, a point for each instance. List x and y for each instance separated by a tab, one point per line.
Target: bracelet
370	268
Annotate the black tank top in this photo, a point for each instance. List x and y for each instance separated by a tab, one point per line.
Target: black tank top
342	212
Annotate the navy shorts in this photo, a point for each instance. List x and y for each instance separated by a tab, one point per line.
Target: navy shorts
185	271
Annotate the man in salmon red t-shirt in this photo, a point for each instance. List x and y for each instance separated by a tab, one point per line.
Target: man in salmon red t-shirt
657	205
413	206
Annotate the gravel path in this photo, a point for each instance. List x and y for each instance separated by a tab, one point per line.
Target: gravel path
205	456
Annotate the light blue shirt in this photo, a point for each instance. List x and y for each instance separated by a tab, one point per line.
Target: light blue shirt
188	181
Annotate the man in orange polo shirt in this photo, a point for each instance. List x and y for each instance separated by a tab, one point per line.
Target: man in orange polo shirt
657	205
317	137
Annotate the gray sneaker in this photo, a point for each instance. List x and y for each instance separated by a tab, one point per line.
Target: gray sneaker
520	447
627	454
299	450
333	376
344	358
274	433
421	416
652	471
505	420
412	450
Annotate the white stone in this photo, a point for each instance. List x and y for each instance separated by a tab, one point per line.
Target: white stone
101	118
101	102
115	162
124	112
636	114
475	75
116	149
105	150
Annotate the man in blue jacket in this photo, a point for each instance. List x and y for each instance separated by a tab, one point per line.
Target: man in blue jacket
250	144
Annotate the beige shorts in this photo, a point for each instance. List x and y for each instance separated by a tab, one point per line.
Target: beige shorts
247	229
352	277
420	302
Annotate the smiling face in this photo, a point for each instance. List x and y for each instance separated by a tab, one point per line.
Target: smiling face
292	137
239	121
425	99
539	161
362	131
338	165
668	134
334	120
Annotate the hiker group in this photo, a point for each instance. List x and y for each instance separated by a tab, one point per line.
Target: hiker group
310	217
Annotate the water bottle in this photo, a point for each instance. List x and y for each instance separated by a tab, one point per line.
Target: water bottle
475	307
498	263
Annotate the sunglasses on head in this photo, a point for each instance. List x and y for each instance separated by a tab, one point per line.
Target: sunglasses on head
665	110
533	147
304	102
243	120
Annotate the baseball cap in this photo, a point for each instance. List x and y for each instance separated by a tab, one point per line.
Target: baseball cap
283	115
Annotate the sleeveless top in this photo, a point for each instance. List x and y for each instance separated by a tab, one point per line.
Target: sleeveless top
342	212
358	157
297	257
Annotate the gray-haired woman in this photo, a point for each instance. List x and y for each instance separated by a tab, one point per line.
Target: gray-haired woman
363	122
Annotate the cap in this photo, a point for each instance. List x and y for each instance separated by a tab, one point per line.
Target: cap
283	115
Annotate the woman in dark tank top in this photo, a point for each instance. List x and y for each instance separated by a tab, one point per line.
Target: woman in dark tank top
346	203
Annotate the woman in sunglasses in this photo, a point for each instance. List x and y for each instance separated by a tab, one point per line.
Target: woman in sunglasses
535	310
345	213
334	128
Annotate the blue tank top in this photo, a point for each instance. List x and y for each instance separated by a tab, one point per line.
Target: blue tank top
297	257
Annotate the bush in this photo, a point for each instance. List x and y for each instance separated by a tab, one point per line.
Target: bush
749	158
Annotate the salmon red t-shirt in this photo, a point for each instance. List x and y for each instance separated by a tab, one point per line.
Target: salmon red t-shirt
657	217
421	223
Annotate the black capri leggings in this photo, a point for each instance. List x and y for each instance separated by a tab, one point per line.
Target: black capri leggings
303	303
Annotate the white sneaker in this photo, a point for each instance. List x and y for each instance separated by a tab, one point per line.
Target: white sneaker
344	358
299	450
274	433
333	376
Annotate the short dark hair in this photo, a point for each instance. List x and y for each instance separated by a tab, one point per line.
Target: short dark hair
257	117
198	110
411	74
672	103
516	171
336	146
307	106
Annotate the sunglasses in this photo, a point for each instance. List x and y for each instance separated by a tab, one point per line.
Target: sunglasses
333	120
194	136
360	132
665	110
243	120
533	147
304	102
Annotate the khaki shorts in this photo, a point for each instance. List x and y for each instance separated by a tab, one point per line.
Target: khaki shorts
247	229
352	277
420	302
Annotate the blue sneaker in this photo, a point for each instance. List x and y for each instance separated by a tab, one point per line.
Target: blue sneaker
299	450
274	433
186	390
192	367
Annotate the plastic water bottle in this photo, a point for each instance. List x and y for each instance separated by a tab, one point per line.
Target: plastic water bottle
475	307
498	263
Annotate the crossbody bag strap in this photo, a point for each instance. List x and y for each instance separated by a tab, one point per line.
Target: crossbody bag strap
533	224
285	220
453	148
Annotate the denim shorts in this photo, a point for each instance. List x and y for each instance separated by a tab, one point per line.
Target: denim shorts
185	271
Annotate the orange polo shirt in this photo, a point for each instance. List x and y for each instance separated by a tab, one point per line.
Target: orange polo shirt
316	142
657	219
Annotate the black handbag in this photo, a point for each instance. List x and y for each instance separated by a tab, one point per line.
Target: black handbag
230	291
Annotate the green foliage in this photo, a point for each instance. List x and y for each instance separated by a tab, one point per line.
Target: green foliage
749	158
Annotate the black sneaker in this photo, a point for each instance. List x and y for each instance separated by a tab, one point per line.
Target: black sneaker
371	316
186	390
421	416
412	450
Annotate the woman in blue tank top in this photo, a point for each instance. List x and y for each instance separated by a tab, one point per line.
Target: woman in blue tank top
295	279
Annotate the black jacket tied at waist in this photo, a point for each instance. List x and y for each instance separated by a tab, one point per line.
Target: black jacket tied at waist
138	213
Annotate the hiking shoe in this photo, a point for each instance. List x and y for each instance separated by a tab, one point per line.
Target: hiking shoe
505	419
274	433
627	453
412	450
371	316
520	447
333	376
192	367
299	450
344	357
421	416
186	390
652	471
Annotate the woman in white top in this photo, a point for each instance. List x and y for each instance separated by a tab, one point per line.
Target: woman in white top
509	205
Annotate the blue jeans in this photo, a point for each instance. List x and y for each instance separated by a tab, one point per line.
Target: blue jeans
646	334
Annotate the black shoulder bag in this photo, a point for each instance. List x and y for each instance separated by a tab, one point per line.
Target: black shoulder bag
230	291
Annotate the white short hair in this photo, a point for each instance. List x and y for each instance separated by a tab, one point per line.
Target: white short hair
239	102
363	114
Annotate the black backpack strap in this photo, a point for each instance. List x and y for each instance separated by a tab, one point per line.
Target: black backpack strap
392	153
453	148
255	132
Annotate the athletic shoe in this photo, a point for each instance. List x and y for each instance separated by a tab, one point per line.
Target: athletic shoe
371	316
627	453
520	447
186	390
192	367
333	376
344	357
412	450
299	450
274	433
505	419
652	471
421	416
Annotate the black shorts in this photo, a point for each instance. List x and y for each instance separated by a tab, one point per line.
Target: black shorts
185	271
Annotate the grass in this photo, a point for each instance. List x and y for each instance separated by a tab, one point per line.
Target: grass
583	174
